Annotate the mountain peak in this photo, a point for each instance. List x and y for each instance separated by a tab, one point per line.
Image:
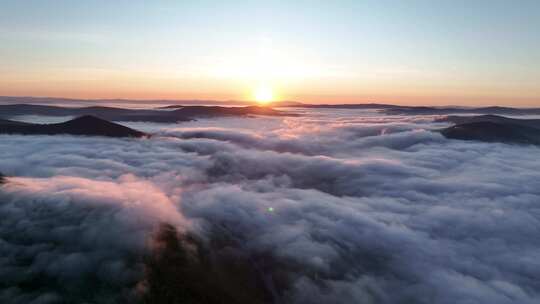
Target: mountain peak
83	125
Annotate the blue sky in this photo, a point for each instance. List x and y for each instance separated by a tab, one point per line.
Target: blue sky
320	51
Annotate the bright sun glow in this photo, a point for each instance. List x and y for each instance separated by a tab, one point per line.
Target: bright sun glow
263	94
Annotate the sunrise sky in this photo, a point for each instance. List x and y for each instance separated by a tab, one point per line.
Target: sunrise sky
403	52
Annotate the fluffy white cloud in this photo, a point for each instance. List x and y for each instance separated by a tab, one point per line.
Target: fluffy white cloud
76	238
330	207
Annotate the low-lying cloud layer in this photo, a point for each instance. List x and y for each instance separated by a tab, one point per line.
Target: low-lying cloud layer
328	207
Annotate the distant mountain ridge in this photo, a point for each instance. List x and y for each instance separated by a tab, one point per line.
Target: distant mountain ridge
185	113
534	123
390	109
105	101
84	125
493	128
461	110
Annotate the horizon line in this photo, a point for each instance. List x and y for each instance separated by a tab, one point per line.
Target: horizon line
248	102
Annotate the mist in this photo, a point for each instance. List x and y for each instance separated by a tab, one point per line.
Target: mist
325	207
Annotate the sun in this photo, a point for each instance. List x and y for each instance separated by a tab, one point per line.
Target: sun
263	95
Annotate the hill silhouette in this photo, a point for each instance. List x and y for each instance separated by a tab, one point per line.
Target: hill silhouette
84	125
534	123
493	128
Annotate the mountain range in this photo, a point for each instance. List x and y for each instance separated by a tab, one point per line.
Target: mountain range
84	125
182	113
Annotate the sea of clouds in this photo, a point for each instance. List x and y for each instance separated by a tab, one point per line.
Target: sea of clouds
328	207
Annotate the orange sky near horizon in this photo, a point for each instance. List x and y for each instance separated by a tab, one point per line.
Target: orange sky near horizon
232	91
407	52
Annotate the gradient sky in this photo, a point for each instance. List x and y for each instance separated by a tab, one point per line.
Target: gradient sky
407	52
